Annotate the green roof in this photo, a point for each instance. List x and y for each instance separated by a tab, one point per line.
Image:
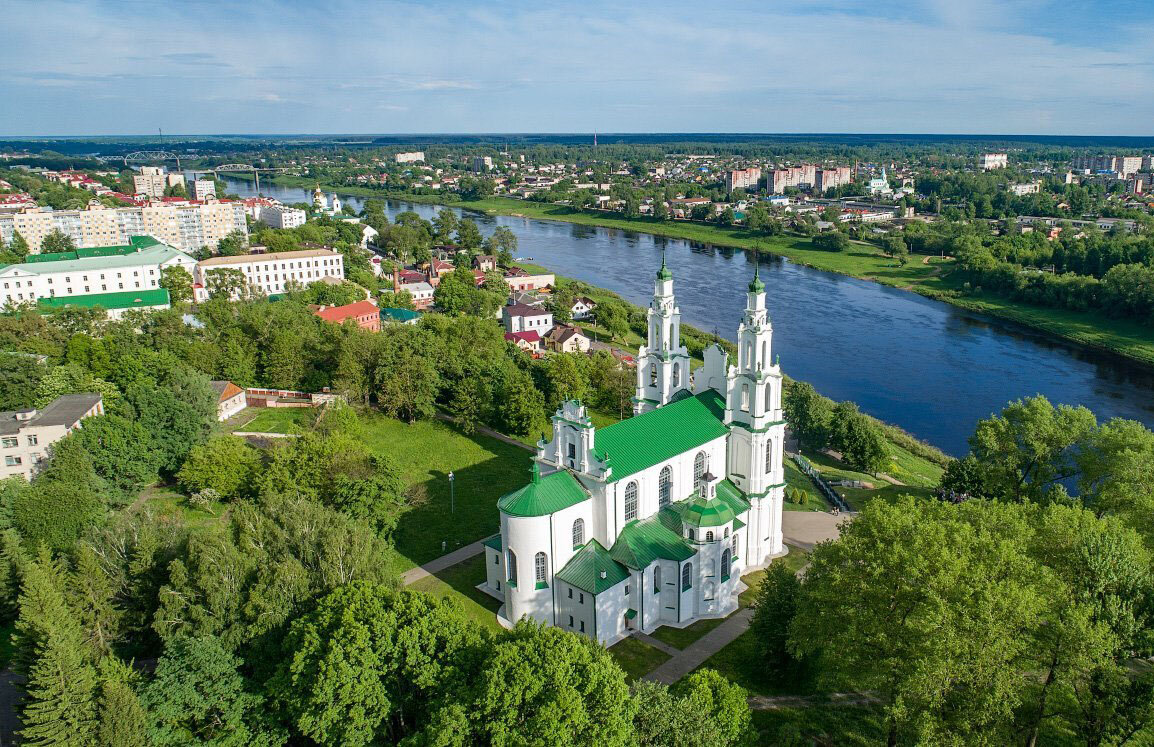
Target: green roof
121	300
756	286
707	512
400	315
664	273
135	244
543	495
645	440
493	542
584	570
642	542
732	496
156	253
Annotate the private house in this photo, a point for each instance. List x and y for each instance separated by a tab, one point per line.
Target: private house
566	339
520	280
364	313
230	399
529	341
485	262
519	317
400	316
582	308
26	435
653	520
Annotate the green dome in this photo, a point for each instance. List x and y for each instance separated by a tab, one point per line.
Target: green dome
664	273
756	286
707	512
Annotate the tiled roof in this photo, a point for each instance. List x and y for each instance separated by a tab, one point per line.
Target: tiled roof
645	440
642	542
543	495
348	311
592	569
122	300
520	309
225	390
528	336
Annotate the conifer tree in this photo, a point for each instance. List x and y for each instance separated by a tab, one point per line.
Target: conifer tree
92	595
123	718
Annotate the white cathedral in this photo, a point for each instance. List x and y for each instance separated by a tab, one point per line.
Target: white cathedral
651	521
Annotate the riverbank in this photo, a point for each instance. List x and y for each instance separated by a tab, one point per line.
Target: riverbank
927	276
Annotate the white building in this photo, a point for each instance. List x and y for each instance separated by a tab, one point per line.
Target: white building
520	317
199	189
275	272
92	271
230	399
282	216
653	520
412	157
988	161
25	435
1026	188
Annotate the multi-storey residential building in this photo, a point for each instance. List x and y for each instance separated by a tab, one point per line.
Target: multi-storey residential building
25	435
200	189
275	272
1026	188
412	157
796	176
988	161
183	224
86	272
153	180
282	216
482	164
829	178
742	178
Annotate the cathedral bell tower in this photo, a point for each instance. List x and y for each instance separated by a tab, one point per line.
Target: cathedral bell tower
662	363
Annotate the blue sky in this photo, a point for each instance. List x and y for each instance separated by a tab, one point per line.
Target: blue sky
958	66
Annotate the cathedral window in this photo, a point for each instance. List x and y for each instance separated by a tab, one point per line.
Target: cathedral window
692	536
657	580
709	536
539	567
748	355
735	538
745	397
768	456
764	357
511	567
665	486
652	374
631	501
768	397
578	533
698	469
676	374
725	563
727	532
687	577
708	591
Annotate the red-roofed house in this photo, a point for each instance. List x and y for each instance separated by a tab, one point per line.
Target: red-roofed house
364	313
530	340
230	399
519	317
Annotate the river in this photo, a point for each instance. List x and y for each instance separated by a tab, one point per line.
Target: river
924	365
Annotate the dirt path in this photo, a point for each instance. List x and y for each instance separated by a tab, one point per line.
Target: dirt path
774	702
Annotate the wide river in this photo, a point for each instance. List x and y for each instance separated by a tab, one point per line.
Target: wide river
929	367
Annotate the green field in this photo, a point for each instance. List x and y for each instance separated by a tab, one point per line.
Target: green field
168	504
459	584
274	419
637	658
682	637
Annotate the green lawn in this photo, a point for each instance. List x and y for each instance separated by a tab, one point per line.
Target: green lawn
274	419
821	724
794	561
795	478
168	504
459	584
682	637
425	453
637	658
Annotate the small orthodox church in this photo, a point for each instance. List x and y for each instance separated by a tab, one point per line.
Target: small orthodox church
331	208
653	520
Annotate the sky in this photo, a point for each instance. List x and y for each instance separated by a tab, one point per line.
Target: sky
90	67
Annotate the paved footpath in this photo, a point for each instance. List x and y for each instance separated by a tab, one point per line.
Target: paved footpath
436	565
695	654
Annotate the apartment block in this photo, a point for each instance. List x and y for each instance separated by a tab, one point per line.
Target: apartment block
829	178
795	176
184	224
26	435
153	180
988	161
201	189
742	178
282	216
412	157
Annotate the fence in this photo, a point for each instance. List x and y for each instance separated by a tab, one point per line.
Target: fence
289	398
824	486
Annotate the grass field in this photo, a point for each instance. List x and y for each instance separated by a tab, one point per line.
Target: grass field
167	503
821	724
637	658
682	637
274	419
459	584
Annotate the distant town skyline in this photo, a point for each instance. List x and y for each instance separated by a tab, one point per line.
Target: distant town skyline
967	66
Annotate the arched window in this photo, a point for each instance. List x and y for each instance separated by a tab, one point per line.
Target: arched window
656	579
698	469
745	397
763	355
631	501
709	536
748	355
711	570
727	532
687	576
511	567
664	486
736	537
676	374
768	397
708	590
578	533
652	374
769	456
692	535
539	567
725	563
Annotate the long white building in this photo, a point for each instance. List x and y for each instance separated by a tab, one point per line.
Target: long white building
651	521
92	271
186	225
273	273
